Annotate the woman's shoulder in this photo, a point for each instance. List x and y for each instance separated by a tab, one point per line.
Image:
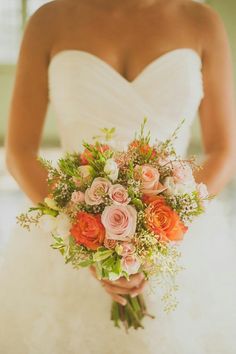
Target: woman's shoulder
206	21
203	15
51	14
44	24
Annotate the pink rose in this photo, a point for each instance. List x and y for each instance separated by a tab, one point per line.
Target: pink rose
130	264
119	194
77	197
149	177
98	190
127	249
119	222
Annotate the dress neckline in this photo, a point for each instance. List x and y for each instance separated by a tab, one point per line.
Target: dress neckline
108	66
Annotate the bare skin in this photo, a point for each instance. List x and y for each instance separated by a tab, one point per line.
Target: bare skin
127	34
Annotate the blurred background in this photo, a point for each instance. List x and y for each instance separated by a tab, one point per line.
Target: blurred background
13	17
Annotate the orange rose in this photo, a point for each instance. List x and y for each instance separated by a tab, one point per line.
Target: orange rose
88	230
164	221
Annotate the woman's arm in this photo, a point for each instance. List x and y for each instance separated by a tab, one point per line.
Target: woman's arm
217	111
29	106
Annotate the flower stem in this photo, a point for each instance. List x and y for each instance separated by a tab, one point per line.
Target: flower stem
130	315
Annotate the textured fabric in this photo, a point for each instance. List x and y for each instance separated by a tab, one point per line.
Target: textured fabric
48	307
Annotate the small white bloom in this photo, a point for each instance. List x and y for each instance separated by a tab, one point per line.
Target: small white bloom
111	169
47	223
63	225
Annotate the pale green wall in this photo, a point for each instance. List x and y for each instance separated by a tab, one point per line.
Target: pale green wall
227	10
7	73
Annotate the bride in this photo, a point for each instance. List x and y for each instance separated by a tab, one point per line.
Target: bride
104	63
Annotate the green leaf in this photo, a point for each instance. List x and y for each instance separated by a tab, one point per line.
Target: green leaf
86	263
101	255
138	203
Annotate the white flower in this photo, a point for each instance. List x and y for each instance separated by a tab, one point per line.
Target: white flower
47	223
63	225
179	188
51	203
111	169
59	226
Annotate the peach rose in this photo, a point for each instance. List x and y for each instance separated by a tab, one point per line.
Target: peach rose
119	222
126	249
130	264
77	197
88	230
163	221
98	190
118	194
149	177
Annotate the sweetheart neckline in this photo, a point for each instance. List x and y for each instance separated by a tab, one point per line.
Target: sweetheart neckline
112	69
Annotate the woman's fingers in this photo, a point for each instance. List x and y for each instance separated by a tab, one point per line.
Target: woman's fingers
117	298
134	281
139	290
116	289
133	287
124	291
122	286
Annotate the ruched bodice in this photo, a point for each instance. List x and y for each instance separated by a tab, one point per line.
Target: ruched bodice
88	94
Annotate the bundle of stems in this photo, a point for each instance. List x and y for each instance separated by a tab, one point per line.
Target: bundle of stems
130	315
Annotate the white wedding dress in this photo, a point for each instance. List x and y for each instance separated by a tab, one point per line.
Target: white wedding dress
50	308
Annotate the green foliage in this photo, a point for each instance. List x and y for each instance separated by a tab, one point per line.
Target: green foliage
78	255
107	134
69	165
99	156
187	206
26	220
44	209
143	137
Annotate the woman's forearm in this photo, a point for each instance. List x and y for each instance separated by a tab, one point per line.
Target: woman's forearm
217	170
29	174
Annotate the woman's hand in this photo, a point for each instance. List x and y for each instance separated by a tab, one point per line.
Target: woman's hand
122	286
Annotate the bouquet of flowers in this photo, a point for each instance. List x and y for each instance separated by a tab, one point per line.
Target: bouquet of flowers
123	212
